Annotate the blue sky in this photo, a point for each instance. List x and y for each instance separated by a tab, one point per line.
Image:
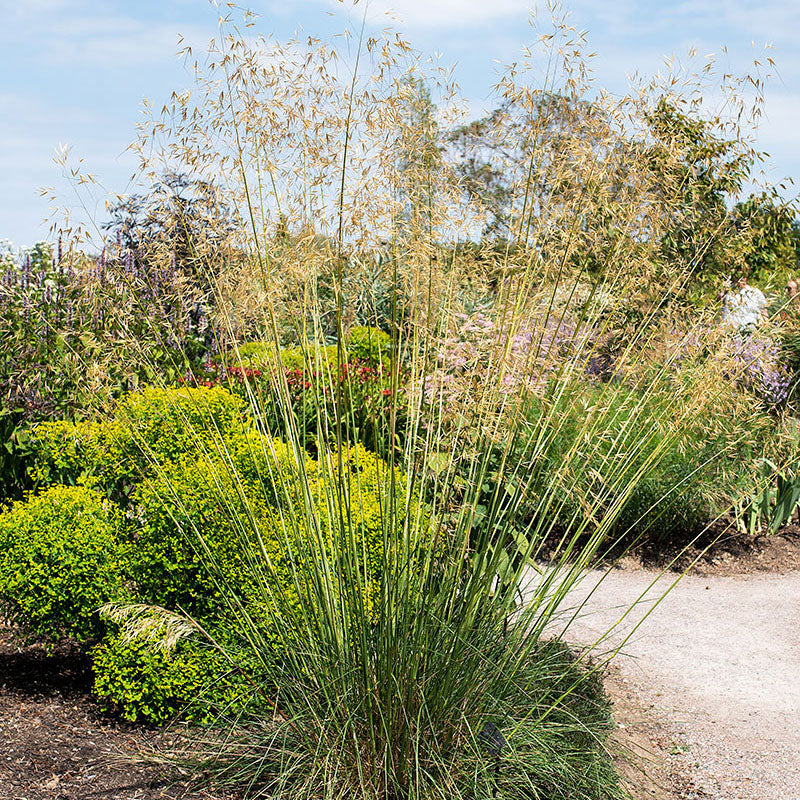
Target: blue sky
75	71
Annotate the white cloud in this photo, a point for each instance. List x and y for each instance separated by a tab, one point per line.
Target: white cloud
79	33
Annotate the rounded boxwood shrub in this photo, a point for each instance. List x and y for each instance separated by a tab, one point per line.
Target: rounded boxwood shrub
369	344
261	353
147	429
158	425
194	537
60	560
146	684
209	528
59	453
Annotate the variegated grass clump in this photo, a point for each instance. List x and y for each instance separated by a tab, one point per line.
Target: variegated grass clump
501	472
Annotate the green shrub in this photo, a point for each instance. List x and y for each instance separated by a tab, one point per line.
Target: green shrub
293	358
64	453
192	547
252	354
255	354
145	684
193	499
167	423
148	428
60	560
369	344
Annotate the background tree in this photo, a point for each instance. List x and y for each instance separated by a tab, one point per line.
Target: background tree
771	231
523	142
420	157
696	172
181	220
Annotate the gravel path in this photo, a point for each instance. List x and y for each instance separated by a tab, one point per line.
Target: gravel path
719	659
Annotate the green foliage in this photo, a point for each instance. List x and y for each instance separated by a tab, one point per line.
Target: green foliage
60	560
64	453
261	353
190	518
157	425
15	452
147	428
74	330
771	237
694	165
146	684
773	504
253	354
370	345
323	360
210	527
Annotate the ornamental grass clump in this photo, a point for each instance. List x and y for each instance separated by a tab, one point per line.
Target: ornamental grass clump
398	633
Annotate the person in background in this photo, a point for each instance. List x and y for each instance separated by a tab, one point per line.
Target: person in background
792	296
787	306
744	307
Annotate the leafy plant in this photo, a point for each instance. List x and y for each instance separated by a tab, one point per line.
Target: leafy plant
147	428
156	686
773	505
61	558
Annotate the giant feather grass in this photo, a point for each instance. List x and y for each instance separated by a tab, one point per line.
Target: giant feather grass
437	671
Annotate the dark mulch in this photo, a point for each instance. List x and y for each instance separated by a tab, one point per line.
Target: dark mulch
55	744
725	551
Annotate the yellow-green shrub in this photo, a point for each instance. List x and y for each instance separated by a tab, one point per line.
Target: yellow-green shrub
293	358
207	523
364	491
60	560
369	344
167	423
147	429
195	533
362	342
141	683
255	354
63	453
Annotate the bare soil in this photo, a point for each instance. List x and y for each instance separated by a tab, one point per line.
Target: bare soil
55	744
652	758
726	552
